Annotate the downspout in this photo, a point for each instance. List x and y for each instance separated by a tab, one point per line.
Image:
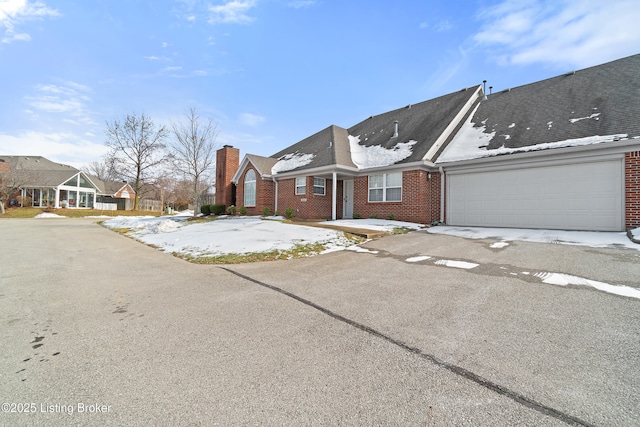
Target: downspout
334	188
442	195
275	192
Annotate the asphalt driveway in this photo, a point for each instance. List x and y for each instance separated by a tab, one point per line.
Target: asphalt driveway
98	329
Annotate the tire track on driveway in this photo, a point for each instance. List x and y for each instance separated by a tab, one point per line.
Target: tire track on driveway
458	370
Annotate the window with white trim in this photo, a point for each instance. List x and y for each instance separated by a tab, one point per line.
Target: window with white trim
250	188
385	187
319	186
301	185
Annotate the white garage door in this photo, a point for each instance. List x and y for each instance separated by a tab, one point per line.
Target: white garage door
585	196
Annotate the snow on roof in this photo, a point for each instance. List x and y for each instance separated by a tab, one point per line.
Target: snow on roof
376	156
471	143
291	161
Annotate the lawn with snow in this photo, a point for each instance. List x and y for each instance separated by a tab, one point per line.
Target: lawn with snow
232	235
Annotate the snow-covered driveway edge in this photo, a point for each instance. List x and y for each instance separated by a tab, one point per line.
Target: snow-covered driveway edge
596	239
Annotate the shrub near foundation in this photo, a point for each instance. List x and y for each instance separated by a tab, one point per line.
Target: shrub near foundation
217	209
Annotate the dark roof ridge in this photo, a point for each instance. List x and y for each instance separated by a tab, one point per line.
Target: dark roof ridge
565	74
416	104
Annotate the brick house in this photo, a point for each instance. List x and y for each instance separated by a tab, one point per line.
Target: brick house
562	153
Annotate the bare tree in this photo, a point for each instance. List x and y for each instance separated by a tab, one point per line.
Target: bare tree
137	149
103	170
194	151
12	180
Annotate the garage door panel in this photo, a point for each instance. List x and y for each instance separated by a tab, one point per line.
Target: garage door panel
587	196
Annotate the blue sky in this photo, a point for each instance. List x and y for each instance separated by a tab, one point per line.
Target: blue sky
272	72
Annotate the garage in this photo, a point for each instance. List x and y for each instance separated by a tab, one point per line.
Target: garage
569	196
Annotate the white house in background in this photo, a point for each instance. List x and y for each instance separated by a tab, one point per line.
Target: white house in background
44	183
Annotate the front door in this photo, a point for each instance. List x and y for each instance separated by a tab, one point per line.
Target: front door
347	191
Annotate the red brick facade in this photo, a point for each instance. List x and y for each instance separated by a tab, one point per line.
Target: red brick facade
308	205
265	194
227	163
632	189
420	199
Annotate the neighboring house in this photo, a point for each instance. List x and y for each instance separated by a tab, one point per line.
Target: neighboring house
562	153
44	183
114	195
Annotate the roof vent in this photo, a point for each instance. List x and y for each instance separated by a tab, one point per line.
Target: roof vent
395	131
571	73
484	90
490	90
409	106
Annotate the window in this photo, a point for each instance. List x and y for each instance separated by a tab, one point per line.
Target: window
385	187
319	186
250	188
301	185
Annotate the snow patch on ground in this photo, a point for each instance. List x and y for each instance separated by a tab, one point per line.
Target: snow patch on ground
418	258
499	245
457	264
376	156
636	233
376	224
582	238
593	116
562	279
49	215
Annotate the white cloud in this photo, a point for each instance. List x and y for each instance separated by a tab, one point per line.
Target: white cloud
231	12
16	12
63	147
570	33
298	4
443	26
69	98
251	120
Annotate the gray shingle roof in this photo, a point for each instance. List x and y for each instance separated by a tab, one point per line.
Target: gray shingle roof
599	101
44	172
423	122
263	164
330	146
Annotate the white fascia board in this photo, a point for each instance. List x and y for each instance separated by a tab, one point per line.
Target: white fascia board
452	125
317	171
423	165
243	165
549	157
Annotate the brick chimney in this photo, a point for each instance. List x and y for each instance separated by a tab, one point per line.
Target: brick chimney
227	163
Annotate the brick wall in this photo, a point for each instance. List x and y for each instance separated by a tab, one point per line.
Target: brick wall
227	163
632	189
308	205
420	198
264	193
